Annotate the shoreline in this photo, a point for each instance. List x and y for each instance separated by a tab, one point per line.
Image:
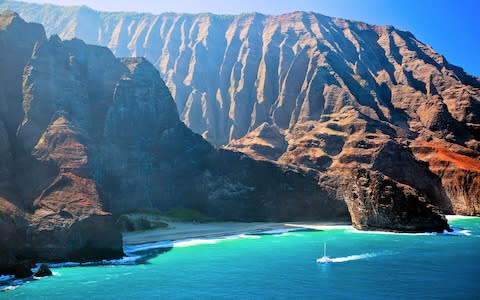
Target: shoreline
459	217
180	231
137	245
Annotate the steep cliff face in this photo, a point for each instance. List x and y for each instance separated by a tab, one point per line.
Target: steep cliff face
305	89
375	199
161	163
458	168
12	235
49	208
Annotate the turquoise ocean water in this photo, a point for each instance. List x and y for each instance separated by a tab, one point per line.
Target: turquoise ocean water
283	266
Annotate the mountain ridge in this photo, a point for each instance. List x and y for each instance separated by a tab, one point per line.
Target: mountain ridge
213	110
344	115
87	137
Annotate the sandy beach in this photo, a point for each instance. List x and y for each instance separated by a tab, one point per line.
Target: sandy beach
459	217
185	230
182	231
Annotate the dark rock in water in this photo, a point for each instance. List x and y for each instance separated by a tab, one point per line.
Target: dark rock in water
43	271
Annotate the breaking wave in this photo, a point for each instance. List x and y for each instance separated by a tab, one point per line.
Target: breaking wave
129	250
126	260
11	284
457	231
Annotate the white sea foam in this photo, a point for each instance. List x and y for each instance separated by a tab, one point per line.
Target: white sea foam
285	234
131	249
194	242
182	243
352	257
333	227
457	231
249	236
63	265
126	260
353	230
12	284
4	288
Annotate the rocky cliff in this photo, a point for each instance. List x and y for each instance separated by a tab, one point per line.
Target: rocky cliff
49	207
322	93
86	136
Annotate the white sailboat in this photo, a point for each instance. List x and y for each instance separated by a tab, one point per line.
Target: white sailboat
324	259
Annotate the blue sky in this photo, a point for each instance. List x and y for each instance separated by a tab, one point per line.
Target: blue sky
452	27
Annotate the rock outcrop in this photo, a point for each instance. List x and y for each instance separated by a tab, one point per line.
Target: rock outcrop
306	89
43	271
265	142
375	200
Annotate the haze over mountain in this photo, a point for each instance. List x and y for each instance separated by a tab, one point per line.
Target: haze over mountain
305	89
445	25
341	114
